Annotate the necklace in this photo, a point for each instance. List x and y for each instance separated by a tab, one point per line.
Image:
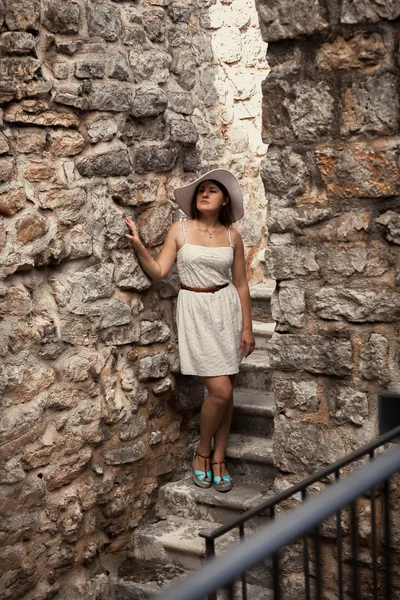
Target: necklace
210	233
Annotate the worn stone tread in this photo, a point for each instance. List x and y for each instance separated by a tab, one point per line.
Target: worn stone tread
178	537
254	449
240	498
125	589
252	402
262	291
259	359
260	328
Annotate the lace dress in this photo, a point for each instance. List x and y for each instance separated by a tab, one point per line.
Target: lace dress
209	323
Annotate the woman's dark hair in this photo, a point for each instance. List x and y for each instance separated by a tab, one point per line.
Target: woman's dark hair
225	215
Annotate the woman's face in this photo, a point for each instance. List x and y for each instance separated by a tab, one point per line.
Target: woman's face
209	197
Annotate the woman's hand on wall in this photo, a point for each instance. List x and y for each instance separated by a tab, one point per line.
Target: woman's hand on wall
134	237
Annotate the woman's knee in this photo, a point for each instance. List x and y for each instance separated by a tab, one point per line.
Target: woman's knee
221	391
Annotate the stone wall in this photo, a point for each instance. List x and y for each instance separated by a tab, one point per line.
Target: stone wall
331	175
105	108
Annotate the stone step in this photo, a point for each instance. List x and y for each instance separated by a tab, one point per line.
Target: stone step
250	459
253	412
124	589
261	300
176	543
185	499
255	372
262	333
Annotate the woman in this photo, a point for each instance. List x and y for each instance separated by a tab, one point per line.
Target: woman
213	308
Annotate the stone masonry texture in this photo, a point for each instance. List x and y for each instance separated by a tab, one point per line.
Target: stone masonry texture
105	107
331	177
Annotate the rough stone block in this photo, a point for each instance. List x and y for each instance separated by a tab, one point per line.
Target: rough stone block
391	223
353	259
38	113
124	455
179	13
150	65
184	67
154	224
102	130
281	19
313	353
128	273
349	227
374	359
155	157
370	106
363	50
347	404
60	70
153	367
359	170
95	283
301	447
110	96
104	21
152	332
357	305
150	100
22	15
299	393
17	42
30	139
295	220
183	131
18	69
284	174
89	69
288	304
358	11
67	470
29	228
289	262
153	22
297	111
65	143
109	164
118	68
6	169
62	17
14	200
67	203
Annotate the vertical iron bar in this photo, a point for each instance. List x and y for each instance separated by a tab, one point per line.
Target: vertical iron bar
230	591
276	575
388	539
374	541
318	570
306	563
339	545
210	553
354	549
243	578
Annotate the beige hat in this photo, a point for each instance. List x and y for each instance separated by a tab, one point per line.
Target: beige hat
184	195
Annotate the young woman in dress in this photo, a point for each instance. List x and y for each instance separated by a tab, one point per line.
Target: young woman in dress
213	307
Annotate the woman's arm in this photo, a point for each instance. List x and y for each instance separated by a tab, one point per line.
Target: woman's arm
239	280
160	267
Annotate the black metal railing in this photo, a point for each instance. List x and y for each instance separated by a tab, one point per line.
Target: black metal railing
370	482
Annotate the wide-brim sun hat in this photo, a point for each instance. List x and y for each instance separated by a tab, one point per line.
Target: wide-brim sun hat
184	195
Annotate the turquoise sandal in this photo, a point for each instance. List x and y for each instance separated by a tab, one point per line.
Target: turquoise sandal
222	484
200	477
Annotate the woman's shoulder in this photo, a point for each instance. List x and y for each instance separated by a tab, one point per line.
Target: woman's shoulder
236	237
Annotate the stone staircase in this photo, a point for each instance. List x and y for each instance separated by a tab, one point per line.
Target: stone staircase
170	546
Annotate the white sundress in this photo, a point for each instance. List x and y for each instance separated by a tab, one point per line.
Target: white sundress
209	323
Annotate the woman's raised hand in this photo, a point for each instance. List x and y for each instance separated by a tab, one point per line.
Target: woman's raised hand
134	237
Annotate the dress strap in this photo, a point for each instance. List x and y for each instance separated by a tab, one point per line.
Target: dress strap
182	222
230	236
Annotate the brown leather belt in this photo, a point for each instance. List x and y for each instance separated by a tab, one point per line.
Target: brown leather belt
209	289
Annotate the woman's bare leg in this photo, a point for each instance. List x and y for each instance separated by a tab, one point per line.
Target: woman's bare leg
212	412
222	434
